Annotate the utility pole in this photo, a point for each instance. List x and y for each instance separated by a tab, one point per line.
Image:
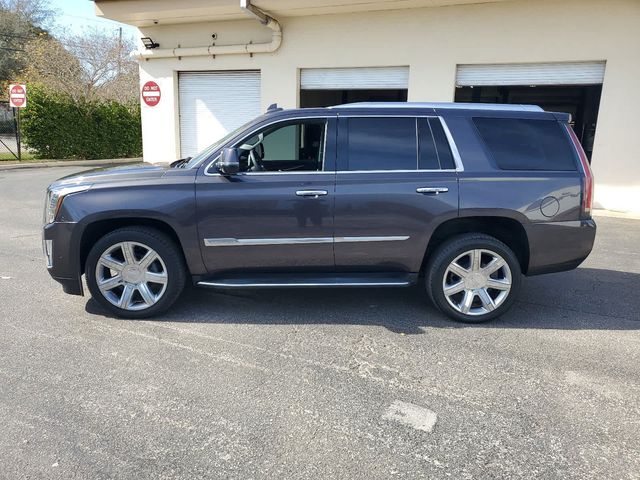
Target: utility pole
119	49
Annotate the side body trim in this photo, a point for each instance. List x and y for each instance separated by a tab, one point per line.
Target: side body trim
395	238
243	242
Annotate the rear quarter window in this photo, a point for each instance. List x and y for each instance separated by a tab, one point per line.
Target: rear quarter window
524	144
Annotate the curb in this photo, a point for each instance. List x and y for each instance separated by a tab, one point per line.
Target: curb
70	163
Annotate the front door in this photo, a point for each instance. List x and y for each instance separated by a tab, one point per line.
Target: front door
277	213
396	181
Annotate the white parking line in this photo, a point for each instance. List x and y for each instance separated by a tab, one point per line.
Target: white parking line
411	415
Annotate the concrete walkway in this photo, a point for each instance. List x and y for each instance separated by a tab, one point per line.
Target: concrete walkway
11	165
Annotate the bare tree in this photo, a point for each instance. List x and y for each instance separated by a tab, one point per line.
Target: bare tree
37	13
13	32
93	64
54	67
20	21
90	65
109	71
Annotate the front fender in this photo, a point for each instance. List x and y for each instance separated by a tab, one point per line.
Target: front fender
171	206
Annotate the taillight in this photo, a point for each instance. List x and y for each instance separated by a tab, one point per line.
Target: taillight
587	180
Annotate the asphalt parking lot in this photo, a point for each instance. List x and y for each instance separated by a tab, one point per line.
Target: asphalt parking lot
353	384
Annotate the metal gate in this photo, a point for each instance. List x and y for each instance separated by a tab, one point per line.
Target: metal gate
9	133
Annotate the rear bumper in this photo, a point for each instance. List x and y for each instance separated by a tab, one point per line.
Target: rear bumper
62	256
559	246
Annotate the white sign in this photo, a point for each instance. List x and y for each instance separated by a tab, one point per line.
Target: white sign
17	95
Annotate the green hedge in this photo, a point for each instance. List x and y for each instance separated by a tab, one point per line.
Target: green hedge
56	126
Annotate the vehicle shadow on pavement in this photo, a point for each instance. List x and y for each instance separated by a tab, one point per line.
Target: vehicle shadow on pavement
585	298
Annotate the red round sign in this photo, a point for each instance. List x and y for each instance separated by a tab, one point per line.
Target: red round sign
17	95
151	93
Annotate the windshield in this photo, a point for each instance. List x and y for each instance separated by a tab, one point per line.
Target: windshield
211	148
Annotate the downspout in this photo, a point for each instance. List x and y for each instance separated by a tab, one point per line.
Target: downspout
212	50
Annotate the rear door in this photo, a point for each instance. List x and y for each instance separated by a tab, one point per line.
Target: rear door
396	181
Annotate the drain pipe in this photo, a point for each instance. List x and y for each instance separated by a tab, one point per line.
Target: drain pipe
213	50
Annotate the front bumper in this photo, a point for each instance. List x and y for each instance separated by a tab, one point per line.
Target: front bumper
559	246
63	256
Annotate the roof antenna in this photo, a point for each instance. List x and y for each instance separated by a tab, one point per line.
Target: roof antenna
273	108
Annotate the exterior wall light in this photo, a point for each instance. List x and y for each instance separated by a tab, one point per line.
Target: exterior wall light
149	43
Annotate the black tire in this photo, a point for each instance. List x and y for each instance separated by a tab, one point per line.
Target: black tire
446	253
163	245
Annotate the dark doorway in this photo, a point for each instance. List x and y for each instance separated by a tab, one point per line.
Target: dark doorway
328	98
581	101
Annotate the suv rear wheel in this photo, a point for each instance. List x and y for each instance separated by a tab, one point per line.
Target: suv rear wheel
473	278
135	272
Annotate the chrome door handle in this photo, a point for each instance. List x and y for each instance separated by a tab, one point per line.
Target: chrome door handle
311	193
432	190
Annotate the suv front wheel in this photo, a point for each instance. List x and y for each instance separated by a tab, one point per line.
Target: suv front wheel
473	278
135	272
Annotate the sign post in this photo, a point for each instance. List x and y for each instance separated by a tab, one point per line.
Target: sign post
17	100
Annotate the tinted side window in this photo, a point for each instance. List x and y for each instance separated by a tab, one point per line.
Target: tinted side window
521	144
433	147
427	154
444	150
382	144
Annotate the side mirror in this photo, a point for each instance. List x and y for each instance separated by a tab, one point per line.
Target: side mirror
229	163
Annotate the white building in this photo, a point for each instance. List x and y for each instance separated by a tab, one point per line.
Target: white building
577	56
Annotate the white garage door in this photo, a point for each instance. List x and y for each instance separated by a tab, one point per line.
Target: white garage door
375	78
214	103
566	73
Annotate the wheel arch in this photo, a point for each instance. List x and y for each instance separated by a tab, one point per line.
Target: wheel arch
99	228
508	230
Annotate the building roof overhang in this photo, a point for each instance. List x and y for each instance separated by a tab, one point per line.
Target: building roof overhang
151	12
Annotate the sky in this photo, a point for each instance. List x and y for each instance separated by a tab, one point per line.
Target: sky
75	15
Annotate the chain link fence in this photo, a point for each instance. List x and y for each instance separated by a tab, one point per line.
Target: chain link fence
9	148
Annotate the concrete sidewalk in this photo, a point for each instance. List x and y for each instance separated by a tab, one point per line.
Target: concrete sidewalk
600	212
10	165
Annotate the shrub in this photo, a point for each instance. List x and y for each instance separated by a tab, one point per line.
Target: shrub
55	125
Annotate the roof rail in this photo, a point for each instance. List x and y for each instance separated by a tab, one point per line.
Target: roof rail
443	105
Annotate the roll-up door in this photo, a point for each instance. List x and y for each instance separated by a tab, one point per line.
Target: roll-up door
214	103
374	78
565	73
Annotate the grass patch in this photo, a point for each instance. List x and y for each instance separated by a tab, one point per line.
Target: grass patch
26	157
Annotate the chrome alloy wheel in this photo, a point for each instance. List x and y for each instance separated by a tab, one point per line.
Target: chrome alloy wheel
131	276
477	282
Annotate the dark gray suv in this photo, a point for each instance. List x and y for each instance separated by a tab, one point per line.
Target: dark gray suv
466	197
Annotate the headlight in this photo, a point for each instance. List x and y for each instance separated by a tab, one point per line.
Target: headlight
55	196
